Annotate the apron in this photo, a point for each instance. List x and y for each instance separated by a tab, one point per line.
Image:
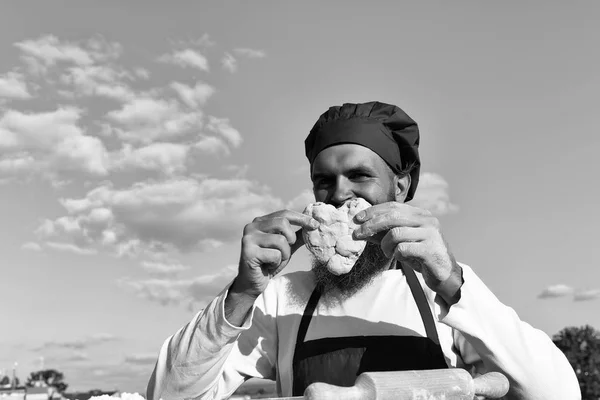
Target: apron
339	361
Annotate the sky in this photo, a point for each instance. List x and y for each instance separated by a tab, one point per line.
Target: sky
138	138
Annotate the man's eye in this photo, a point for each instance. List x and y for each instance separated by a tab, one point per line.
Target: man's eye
358	176
322	182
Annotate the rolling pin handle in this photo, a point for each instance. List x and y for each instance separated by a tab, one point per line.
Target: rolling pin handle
325	391
492	385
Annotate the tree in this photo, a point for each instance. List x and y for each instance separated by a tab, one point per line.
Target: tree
582	348
50	377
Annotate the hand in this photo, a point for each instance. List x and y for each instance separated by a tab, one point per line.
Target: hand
412	235
267	246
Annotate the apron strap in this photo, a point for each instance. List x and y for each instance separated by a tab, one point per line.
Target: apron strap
422	303
306	317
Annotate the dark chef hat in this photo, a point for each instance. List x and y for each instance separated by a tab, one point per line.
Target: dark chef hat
383	128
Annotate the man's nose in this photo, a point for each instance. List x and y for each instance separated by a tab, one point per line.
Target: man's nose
342	192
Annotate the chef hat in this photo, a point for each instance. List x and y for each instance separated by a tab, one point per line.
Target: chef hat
383	128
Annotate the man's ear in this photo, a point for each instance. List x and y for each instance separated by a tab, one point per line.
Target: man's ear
401	186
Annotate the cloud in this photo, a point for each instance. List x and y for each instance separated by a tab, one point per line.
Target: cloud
195	96
47	51
168	158
554	291
191	293
164	269
237	171
223	127
212	145
13	85
141	73
585	295
142	359
180	212
186	58
98	80
80	344
17	162
145	119
70	248
250	53
31	246
432	194
77	356
204	41
229	63
54	139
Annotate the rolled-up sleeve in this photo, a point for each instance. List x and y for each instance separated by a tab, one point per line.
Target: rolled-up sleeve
209	358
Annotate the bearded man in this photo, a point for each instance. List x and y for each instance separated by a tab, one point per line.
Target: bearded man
407	304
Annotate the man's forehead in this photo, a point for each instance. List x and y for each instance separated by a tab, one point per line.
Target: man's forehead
347	155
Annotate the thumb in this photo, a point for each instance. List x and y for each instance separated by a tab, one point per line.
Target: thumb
299	241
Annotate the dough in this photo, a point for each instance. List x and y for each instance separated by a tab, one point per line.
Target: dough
332	242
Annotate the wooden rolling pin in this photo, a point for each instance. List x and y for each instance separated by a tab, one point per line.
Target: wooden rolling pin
434	384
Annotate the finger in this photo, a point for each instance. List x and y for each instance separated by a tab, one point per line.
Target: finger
295	218
278	225
299	242
385	222
386	208
399	235
269	260
275	242
409	250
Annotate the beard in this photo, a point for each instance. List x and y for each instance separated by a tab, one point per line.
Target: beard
370	264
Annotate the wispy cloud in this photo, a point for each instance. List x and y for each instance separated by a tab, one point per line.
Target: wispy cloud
70	248
191	293
13	85
164	269
250	53
77	356
145	118
554	291
193	96
31	246
229	63
164	157
80	344
47	51
586	295
142	359
223	127
186	58
432	194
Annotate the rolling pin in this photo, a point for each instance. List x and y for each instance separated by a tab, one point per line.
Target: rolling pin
433	384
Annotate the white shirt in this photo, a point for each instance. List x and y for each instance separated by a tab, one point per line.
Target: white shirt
209	358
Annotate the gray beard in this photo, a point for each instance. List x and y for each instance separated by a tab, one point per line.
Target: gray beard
370	264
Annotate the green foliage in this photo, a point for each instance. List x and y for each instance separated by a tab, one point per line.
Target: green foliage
51	377
582	348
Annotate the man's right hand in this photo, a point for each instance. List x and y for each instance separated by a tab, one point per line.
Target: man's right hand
267	246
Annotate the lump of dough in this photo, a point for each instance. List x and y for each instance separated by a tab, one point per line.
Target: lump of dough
332	242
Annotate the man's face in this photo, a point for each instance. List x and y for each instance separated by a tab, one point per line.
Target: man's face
341	173
346	171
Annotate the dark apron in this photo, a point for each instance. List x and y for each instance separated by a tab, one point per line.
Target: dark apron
339	361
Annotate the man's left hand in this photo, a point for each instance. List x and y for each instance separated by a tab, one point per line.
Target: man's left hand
412	235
